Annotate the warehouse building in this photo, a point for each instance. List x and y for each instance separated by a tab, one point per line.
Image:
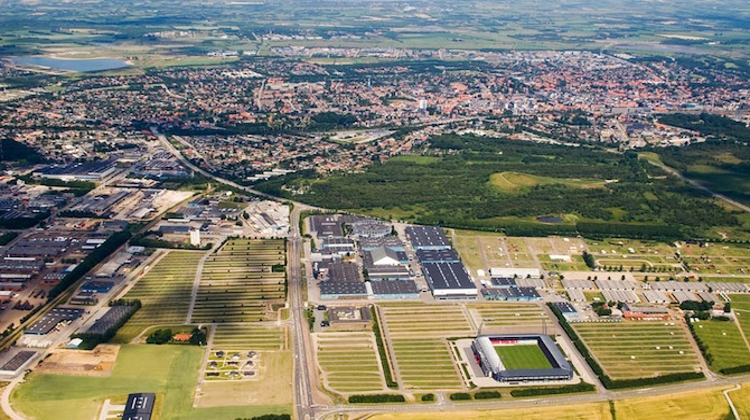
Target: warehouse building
427	237
449	281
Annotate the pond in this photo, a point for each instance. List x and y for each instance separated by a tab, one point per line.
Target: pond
70	64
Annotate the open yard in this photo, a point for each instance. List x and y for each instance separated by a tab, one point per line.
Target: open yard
350	362
641	349
725	343
239	284
171	371
418	337
522	357
164	291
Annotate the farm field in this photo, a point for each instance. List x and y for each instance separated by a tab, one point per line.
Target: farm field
350	362
708	404
170	371
418	337
238	283
522	357
165	290
593	411
643	349
251	337
506	317
724	342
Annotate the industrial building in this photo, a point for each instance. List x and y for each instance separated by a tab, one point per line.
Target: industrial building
427	237
139	406
449	281
397	289
492	366
51	319
429	256
512	294
88	171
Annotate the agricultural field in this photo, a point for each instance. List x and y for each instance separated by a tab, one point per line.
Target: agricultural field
707	404
508	317
250	337
349	362
165	291
642	349
724	342
240	284
418	337
522	357
171	371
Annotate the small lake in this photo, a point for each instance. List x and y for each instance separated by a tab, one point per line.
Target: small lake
549	219
81	65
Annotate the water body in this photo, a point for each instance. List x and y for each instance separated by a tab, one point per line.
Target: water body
79	65
549	219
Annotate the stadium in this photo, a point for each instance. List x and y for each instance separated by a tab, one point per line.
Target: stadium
521	358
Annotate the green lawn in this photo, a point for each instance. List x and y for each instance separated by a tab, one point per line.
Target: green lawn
171	371
522	357
724	342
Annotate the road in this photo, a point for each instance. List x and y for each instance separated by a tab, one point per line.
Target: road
304	399
698	185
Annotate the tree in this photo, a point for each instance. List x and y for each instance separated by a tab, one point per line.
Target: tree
160	337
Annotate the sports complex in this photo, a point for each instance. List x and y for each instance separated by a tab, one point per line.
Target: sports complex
521	358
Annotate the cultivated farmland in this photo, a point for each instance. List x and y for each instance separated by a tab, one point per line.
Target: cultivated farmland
349	362
165	290
509	317
418	337
239	284
724	343
630	350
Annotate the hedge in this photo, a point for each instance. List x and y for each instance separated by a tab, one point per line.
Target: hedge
567	389
460	396
735	370
487	395
428	397
382	351
377	398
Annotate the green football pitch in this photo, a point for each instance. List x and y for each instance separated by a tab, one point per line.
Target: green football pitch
522	357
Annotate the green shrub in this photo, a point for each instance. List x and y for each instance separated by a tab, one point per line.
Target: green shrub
487	395
377	398
460	396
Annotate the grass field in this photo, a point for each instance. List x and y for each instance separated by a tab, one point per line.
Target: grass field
418	336
511	182
164	291
643	349
741	400
707	404
594	411
508	317
250	337
170	371
724	343
741	307
350	362
522	357
238	284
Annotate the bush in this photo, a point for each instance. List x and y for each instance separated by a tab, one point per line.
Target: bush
568	389
377	398
487	395
160	337
460	396
428	397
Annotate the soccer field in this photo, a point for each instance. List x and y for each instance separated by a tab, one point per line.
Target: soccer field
522	357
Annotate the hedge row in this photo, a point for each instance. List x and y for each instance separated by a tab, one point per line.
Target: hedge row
608	382
735	370
701	345
460	396
382	351
377	398
92	260
567	389
487	395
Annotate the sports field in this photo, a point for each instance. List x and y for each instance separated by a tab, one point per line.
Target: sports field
350	362
164	292
238	283
522	357
639	349
724	342
418	337
171	371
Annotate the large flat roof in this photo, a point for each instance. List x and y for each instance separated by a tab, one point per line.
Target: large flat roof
447	276
55	316
427	237
437	255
